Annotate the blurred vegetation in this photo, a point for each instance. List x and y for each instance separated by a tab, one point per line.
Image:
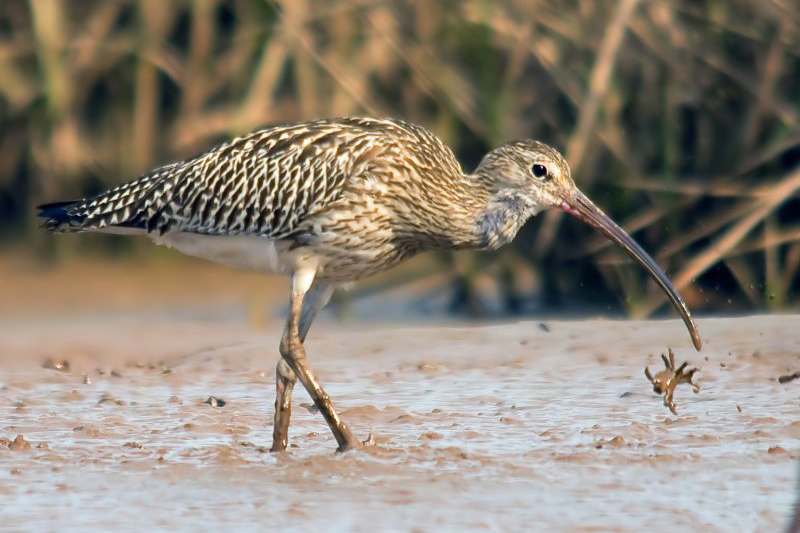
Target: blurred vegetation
679	117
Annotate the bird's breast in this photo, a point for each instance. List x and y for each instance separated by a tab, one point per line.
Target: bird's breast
500	222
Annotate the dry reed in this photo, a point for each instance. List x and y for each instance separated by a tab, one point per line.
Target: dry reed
679	117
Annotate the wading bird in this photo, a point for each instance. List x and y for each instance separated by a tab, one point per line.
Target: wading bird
329	202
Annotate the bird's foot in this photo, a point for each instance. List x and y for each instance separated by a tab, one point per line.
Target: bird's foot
349	446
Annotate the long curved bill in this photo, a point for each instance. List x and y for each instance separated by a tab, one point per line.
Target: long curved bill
583	208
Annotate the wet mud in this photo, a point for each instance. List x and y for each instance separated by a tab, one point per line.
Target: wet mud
114	423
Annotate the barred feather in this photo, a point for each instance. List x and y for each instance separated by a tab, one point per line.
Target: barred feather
263	184
351	196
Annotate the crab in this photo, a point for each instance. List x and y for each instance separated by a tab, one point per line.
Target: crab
664	382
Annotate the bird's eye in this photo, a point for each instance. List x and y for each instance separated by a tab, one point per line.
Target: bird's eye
540	171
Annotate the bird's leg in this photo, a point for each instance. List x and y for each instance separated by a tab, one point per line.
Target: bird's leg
284	383
669	402
285	378
680	369
293	352
689	375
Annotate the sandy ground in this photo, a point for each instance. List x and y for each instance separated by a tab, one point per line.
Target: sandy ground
478	427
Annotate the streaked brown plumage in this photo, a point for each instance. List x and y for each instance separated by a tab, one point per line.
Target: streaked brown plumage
352	190
331	201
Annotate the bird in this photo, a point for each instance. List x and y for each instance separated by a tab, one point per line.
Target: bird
327	202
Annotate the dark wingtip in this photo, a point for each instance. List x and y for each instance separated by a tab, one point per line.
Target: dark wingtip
56	214
54	208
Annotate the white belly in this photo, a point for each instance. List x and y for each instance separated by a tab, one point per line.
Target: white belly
237	251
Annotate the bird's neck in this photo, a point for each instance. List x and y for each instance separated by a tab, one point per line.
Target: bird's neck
479	213
503	215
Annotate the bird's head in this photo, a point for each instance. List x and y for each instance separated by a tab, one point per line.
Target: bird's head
541	175
532	168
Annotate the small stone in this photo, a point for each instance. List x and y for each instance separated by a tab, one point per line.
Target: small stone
108	398
115	374
544	327
213	401
772	450
132	445
62	366
15	471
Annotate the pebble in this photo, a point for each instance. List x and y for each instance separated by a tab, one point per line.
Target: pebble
62	366
213	401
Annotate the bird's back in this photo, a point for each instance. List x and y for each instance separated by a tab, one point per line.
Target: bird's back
265	183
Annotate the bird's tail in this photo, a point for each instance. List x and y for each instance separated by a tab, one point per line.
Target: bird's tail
128	206
61	216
